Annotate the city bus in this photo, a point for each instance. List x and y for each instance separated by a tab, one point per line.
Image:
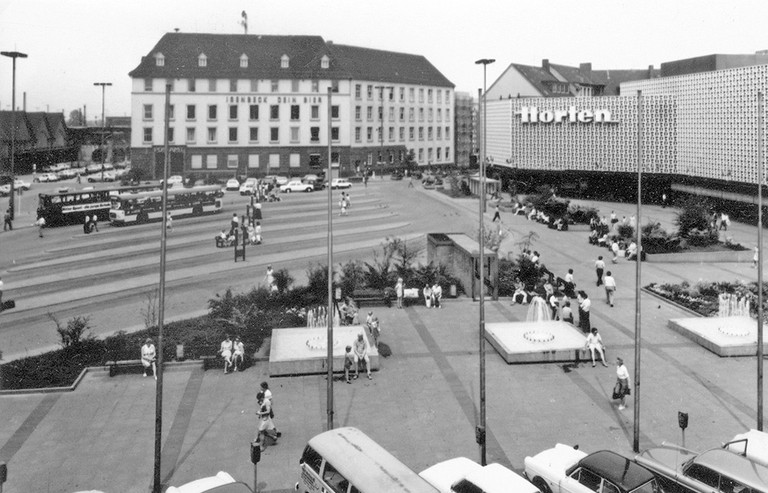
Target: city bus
346	460
141	207
71	207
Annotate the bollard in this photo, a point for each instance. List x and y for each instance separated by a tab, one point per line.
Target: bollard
3	475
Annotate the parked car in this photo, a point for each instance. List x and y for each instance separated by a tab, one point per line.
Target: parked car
461	475
248	186
311	177
296	186
233	184
316	184
20	184
340	183
565	469
94	168
67	173
683	470
396	175
174	180
105	176
752	444
46	177
220	483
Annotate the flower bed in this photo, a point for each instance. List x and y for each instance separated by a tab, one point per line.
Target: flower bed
702	297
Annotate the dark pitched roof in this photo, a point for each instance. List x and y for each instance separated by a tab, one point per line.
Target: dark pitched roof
539	77
575	75
56	119
223	52
36	119
612	79
22	130
388	66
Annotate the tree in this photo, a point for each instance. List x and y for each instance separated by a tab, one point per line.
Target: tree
693	215
76	118
409	162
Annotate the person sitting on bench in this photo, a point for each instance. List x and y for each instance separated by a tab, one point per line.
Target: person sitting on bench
361	354
238	354
226	352
148	357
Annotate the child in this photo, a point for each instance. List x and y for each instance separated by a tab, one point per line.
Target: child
349	360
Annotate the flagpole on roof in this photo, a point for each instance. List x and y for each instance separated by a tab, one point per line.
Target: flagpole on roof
244	22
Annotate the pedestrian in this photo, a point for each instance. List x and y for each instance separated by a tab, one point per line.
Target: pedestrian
584	305
365	180
399	292
149	357
610	288
427	291
169	222
7	223
595	343
437	295
1	294
257	232
554	303
349	361
599	269
257	211
621	390
269	279
410	182
343	207
234	224
755	257
567	315
266	426
87	225
569	286
268	397
40	223
615	250
725	221
95	223
496	214
347	199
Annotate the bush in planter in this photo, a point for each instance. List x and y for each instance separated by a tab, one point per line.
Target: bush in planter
626	231
657	240
702	237
693	214
582	215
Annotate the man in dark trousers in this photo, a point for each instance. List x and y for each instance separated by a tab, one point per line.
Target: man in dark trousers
7	223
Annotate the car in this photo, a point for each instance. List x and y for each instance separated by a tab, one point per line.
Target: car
20	184
105	176
564	469
340	183
310	177
396	175
67	173
233	184
5	190
462	475
248	186
753	444
296	186
720	469
95	168
220	483
174	180
46	177
316	184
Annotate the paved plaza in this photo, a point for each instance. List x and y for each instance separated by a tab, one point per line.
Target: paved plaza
421	405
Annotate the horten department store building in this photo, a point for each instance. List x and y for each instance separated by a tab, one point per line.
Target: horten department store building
699	126
257	105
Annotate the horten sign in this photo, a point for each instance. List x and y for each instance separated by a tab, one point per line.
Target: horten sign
531	114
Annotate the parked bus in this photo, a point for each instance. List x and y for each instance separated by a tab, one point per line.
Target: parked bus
141	207
346	460
71	207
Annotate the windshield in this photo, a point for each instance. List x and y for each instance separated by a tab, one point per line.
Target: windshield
651	486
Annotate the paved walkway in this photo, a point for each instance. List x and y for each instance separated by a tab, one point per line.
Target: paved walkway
421	405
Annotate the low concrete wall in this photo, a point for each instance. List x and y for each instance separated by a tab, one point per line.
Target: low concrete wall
698	257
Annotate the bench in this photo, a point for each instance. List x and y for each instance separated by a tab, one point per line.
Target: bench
211	362
116	367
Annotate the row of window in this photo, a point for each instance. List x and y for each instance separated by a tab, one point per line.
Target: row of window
433	133
202	61
370	89
212	136
237	85
401	114
253	112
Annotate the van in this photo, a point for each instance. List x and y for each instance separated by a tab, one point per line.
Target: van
346	460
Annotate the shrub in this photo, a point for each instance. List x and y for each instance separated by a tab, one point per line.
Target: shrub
626	231
77	330
583	215
702	237
693	214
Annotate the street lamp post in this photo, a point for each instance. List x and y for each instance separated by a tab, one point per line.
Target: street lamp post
480	432
381	123
103	154
13	55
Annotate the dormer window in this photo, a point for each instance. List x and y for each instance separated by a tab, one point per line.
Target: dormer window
243	61
284	61
202	60
325	61
159	60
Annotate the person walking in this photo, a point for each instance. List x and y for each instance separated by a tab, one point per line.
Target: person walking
599	269
595	343
234	223
7	223
95	223
399	292
584	306
169	222
266	425
496	214
40	223
437	295
269	279
755	257
427	291
621	390
268	397
615	250
87	225
569	285
610	288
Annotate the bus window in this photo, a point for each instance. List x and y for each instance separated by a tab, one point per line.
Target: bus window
332	478
312	459
55	200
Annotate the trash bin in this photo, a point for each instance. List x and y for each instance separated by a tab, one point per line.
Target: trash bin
453	291
179	352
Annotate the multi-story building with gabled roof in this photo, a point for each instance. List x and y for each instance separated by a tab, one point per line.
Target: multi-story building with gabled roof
257	105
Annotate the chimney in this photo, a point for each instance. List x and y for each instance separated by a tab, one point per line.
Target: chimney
545	64
585	67
24	104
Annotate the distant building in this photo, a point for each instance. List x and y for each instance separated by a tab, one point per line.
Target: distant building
464	123
257	105
40	139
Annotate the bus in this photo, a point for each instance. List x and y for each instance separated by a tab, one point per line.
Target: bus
71	207
142	207
346	460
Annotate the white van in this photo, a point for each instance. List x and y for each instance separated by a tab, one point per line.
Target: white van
346	460
462	474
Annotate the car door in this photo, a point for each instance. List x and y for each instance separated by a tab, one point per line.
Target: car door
581	481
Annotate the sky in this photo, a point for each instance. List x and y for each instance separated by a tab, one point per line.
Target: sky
73	43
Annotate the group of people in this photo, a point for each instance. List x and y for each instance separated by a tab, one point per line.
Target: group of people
355	355
433	295
344	204
242	230
233	353
90	224
266	415
348	311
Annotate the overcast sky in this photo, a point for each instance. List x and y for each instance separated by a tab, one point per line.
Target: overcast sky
73	43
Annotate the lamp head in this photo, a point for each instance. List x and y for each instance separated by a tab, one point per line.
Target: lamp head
485	61
13	54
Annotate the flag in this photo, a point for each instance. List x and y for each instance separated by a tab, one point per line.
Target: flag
244	21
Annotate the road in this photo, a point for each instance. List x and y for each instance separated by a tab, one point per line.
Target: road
110	276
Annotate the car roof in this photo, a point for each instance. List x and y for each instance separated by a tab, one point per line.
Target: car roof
617	469
734	466
495	477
